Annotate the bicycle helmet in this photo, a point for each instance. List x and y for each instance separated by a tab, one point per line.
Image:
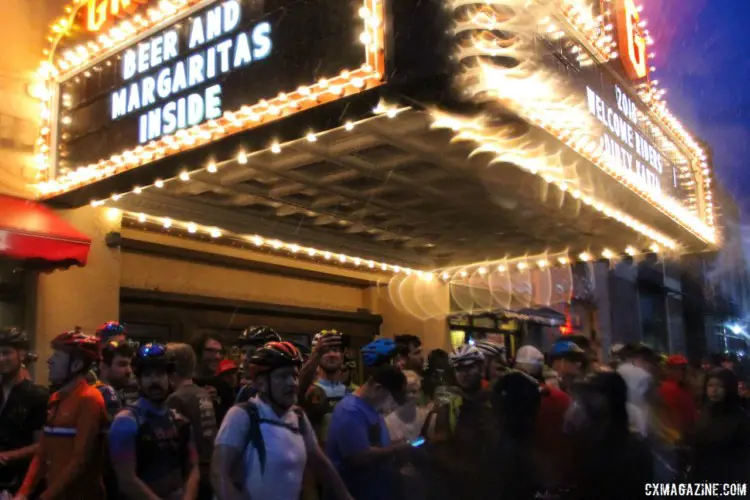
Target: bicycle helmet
257	336
562	349
378	352
465	355
490	349
322	334
110	329
78	345
150	356
14	337
274	355
616	351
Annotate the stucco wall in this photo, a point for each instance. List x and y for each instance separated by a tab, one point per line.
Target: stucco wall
149	272
85	297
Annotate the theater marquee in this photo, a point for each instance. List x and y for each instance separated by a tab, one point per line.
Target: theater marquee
213	69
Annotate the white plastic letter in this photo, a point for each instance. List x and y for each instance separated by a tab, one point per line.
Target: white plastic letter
213	102
171	45
143	50
169	118
129	65
156	51
164	83
196	64
242	54
119	103
213	24
134	99
262	41
147	96
196	33
223	49
232	14
179	80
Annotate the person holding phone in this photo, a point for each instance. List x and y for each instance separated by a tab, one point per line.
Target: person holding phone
406	423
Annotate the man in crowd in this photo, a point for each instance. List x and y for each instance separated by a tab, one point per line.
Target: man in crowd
69	456
268	439
550	441
495	360
228	372
194	403
23	408
676	394
115	375
210	351
358	441
328	389
409	355
569	361
114	333
249	341
151	446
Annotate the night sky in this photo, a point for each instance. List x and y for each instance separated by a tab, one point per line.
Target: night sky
703	60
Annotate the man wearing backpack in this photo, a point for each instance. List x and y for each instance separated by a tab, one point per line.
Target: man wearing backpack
263	445
151	446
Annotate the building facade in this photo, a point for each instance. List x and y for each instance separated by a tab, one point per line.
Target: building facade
368	165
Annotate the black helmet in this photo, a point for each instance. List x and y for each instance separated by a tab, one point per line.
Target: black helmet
257	336
274	355
14	337
152	355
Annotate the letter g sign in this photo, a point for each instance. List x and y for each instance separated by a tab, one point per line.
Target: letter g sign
631	41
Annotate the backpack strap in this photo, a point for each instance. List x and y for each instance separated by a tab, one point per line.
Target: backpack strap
254	435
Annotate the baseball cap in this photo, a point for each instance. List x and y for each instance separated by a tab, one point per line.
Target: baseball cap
226	365
530	355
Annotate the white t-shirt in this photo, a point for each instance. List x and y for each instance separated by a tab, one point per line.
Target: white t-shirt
286	450
409	431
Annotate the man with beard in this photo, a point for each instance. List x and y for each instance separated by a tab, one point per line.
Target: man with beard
249	341
23	408
264	445
328	389
409	354
209	350
115	375
151	446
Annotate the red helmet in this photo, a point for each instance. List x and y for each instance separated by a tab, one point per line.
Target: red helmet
274	355
676	360
77	344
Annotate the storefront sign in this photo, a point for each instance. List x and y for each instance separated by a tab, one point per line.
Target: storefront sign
224	57
627	148
159	74
631	41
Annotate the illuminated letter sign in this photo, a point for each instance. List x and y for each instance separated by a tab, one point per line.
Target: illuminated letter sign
100	12
631	39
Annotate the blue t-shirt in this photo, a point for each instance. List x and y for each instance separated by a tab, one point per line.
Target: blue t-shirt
355	427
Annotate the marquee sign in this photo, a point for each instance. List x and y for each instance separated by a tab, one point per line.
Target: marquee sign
221	67
631	40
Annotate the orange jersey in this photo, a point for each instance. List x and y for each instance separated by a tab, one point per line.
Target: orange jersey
69	457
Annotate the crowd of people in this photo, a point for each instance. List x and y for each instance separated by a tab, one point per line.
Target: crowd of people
183	421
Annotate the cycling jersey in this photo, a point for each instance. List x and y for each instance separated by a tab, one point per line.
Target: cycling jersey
320	401
161	443
70	451
21	416
110	396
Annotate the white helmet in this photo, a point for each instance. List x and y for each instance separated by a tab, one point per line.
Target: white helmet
491	349
465	355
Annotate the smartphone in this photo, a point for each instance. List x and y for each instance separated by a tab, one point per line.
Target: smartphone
418	442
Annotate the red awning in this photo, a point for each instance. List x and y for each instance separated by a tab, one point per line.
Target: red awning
30	231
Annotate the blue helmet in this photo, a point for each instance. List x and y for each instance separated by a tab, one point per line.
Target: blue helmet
565	348
378	352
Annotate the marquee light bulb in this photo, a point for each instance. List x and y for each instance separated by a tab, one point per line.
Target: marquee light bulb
211	168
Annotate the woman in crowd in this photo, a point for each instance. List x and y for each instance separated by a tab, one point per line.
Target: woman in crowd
721	441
